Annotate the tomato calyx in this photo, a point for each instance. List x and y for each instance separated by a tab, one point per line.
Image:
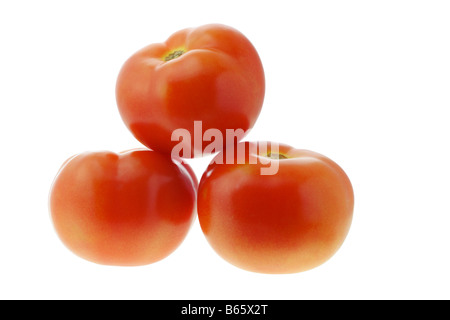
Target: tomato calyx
174	54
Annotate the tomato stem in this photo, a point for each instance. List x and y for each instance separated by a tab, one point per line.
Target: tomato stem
278	156
173	55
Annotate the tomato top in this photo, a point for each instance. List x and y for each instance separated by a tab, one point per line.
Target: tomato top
211	74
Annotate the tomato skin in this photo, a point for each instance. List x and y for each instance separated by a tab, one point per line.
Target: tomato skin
218	80
288	222
127	209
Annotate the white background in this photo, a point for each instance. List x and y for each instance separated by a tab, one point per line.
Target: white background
366	83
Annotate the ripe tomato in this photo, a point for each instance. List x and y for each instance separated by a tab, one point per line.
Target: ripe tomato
286	222
211	74
131	208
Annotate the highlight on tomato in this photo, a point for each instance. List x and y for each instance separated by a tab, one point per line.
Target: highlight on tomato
289	219
210	74
124	209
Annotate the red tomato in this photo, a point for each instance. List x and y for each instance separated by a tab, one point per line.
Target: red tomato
211	74
128	209
287	222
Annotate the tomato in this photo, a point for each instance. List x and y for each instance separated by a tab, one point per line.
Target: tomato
287	222
127	209
211	74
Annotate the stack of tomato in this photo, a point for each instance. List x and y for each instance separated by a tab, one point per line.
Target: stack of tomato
263	206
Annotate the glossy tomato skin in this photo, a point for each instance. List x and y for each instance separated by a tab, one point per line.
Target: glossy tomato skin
218	80
288	222
126	209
